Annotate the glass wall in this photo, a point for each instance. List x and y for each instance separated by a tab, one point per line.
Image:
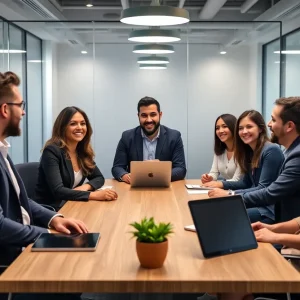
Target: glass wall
20	52
288	64
34	97
214	70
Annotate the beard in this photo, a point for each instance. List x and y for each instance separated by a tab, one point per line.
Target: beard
12	129
274	138
147	132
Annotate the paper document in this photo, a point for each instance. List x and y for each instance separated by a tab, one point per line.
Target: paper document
197	191
106	187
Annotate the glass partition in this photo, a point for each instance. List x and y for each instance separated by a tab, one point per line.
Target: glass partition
216	68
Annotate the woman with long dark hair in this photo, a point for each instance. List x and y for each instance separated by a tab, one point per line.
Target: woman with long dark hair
224	164
260	162
68	160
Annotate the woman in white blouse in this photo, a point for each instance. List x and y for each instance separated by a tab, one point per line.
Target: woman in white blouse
223	164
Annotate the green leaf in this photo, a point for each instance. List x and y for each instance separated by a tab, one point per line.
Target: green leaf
147	231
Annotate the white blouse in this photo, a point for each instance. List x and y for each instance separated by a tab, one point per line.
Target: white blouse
77	178
225	168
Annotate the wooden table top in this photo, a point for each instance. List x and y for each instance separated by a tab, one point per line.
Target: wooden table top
114	266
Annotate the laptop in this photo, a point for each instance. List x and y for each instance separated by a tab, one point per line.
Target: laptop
150	173
222	225
63	242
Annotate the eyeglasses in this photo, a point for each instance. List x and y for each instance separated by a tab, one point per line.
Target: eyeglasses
22	104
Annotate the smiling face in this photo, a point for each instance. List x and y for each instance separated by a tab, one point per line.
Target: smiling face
76	129
222	131
249	132
276	126
149	118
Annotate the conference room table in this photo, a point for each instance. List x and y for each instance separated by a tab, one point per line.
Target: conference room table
114	266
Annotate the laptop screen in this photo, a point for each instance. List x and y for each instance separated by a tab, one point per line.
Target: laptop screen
222	225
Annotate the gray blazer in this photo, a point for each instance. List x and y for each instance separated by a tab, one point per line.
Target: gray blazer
284	192
13	234
169	148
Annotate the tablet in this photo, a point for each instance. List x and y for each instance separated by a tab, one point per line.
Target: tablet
222	225
63	242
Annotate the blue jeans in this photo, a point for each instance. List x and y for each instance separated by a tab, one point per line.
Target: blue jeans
255	216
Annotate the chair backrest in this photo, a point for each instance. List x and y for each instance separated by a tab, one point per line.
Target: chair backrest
29	175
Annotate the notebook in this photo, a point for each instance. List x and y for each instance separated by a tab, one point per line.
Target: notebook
222	225
63	242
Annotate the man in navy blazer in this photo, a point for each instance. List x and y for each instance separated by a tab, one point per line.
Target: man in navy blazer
149	141
284	192
21	219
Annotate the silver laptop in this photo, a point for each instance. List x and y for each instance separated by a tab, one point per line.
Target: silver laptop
150	173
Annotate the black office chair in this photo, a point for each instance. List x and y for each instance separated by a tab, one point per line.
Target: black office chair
29	175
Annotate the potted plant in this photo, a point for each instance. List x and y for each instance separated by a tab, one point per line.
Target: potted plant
151	242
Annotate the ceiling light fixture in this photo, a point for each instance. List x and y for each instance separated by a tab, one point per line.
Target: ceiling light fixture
153	49
152	67
89	3
155	15
84	52
34	61
152	60
11	51
288	52
223	52
154	36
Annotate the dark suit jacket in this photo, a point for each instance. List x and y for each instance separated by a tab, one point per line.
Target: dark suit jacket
270	162
56	178
13	234
284	192
169	148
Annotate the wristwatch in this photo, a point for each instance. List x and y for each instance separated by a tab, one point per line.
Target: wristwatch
231	192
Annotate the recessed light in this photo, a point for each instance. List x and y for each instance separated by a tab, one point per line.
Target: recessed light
223	52
83	52
89	5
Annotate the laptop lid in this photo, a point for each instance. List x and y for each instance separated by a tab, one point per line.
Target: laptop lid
222	225
150	173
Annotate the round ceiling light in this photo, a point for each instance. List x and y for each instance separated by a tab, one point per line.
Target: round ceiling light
155	15
154	36
152	67
152	60
153	49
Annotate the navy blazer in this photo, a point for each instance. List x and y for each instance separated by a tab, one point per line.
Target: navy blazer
13	234
270	162
284	192
169	148
56	179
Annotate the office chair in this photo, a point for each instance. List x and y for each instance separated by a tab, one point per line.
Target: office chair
29	175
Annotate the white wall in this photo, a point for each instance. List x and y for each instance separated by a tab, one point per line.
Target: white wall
191	95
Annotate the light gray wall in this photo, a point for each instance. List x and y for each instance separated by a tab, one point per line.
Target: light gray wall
191	94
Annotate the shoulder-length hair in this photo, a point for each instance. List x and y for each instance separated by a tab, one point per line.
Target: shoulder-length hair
243	153
230	121
84	149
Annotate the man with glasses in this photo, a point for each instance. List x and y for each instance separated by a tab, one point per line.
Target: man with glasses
17	211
